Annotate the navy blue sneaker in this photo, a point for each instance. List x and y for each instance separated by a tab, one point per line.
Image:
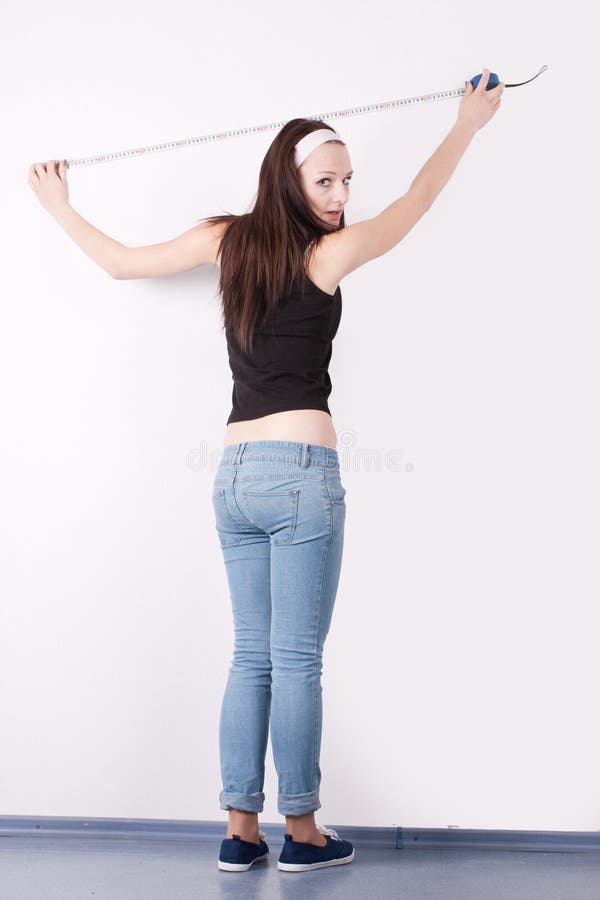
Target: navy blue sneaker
237	855
297	856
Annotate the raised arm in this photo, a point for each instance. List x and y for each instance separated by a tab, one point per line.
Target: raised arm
195	247
353	246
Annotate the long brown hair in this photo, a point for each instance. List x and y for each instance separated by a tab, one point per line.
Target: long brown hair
263	251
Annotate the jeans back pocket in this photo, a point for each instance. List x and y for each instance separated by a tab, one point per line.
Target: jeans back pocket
273	511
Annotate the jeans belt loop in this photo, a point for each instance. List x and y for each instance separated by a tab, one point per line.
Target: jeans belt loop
304	460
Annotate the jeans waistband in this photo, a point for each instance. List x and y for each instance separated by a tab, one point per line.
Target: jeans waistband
282	451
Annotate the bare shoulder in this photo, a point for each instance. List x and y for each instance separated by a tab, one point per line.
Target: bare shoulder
343	251
321	266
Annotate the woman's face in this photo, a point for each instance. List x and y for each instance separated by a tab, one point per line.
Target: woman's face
325	175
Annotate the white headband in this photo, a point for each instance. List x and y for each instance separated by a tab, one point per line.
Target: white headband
312	140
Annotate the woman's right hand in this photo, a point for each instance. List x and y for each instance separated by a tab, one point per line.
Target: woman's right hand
49	183
478	106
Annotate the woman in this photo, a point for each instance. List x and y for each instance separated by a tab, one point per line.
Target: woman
277	495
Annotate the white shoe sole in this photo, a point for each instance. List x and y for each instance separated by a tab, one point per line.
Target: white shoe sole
305	867
240	867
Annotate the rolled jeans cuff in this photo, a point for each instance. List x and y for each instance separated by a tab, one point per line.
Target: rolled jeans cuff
244	802
297	804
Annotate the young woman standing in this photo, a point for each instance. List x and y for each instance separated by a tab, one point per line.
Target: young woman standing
278	499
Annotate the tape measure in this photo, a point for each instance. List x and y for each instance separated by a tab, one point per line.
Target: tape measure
493	81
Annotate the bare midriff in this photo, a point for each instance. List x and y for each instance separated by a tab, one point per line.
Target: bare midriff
309	426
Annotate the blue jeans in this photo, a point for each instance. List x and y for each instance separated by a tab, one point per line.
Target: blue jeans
279	514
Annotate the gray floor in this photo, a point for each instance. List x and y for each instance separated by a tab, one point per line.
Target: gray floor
70	868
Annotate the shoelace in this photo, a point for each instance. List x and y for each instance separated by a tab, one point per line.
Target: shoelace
330	831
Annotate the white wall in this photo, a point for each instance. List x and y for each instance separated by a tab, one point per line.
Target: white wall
460	676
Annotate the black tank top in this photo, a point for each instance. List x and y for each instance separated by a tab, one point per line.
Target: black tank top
288	367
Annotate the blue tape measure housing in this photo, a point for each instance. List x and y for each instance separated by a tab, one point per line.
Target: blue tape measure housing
493	81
